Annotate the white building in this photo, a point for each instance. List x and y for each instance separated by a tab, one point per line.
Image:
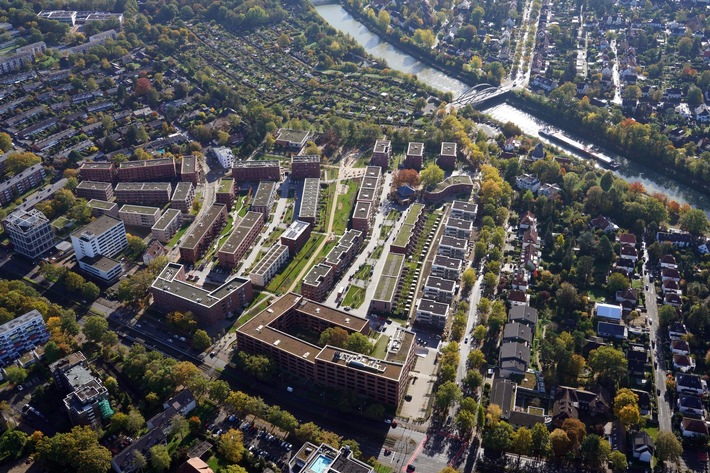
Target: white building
97	243
224	156
432	313
21	335
269	265
30	232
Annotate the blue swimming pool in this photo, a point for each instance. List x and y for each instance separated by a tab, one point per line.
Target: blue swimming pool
321	464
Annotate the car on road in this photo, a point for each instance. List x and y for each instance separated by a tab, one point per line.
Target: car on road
388	421
466	340
410	468
213	354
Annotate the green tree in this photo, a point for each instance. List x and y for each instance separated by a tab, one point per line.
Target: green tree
11	443
231	445
480	332
90	291
94	327
15	375
497	437
468	278
522	441
359	343
540	439
465	422
608	364
424	38
136	245
694	221
73	282
618	462
78	451
5	142
18	162
160	457
431	175
668	447
595	451
560	443
219	391
201	340
383	19
446	394
617	282
694	96
335	336
667	314
234	469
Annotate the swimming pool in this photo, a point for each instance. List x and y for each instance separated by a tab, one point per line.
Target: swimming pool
321	464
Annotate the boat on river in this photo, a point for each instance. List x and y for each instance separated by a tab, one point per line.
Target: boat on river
559	138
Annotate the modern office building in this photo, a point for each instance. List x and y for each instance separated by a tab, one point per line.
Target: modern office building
96	243
464	210
203	232
269	265
167	226
162	169
21	335
190	170
310	197
224	156
30	232
270	333
241	239
409	232
453	247
318	282
387	290
87	400
172	292
20	183
263	199
183	197
101	207
98	172
143	193
139	216
382	153
225	192
432	313
254	171
95	190
415	156
303	167
296	235
447	156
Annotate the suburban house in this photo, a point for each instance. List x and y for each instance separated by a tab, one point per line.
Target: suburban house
690	383
693	427
643	447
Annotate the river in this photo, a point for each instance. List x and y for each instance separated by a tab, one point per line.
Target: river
653	181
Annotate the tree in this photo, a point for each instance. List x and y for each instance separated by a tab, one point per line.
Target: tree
465	422
219	391
284	41
567	297
136	245
479	333
90	291
234	469
608	364
142	86
18	162
160	457
618	462
560	443
667	314
468	278
73	282
630	416
493	413
575	430
5	142
522	441
617	282
78	451
405	176
94	327
179	427
694	221
12	442
694	96
595	451
383	20
424	38
624	397
497	437
201	340
446	394
15	375
431	175
335	336
139	461
668	448
540	439
476	358
359	343
231	445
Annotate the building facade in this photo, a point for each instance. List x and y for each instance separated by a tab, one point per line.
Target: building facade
94	190
21	335
162	169
382	153
99	172
183	197
254	171
263	199
296	235
139	216
269	265
203	232
303	167
143	193
95	245
241	239
167	226
30	232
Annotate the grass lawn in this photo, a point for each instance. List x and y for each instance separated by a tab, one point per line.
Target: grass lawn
381	347
283	280
364	272
272	238
345	207
652	431
178	235
377	252
354	297
380	468
637	284
597	294
259	303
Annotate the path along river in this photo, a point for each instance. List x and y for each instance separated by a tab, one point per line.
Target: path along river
654	181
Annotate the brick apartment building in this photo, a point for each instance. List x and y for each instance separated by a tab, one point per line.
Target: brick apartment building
225	192
190	170
100	172
162	169
183	197
303	167
318	282
143	193
254	171
263	198
447	156
296	235
415	156
241	239
310	198
94	190
203	232
382	153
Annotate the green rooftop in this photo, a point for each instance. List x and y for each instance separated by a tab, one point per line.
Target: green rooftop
450	181
413	215
405	233
225	185
388	280
101	204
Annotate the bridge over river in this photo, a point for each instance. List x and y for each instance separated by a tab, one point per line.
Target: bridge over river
480	94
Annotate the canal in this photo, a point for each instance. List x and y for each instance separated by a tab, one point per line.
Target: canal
653	181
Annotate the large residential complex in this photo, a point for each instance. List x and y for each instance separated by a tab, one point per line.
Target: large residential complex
388	287
241	239
100	172
409	232
202	233
432	313
143	193
21	183
415	156
269	265
270	333
263	199
172	292
224	156
138	215
102	207
190	170
308	207
254	171
183	197
95	245
303	167
20	335
382	153
95	190
450	187
147	170
464	210
225	192
296	235
453	247
318	282
447	156
167	226
30	232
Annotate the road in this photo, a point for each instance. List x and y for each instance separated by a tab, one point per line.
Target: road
465	348
615	79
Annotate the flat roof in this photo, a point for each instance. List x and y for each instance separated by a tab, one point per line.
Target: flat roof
167	217
98	226
17	322
309	198
362	209
293	136
182	191
317	274
256	164
240	232
264	193
143	186
94	165
335	255
438	308
188	164
167	281
226	185
382	146
308	158
373	171
460	224
415	149
370	182
440	283
295	230
453	263
464	206
387	284
94	185
450	181
268	259
139	209
413	215
453	242
448	149
101	263
366	195
101	204
200	227
144	163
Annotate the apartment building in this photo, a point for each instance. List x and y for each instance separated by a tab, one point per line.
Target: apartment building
440	290
167	226
139	216
21	335
190	170
447	156
264	198
415	156
224	156
409	232
362	217
453	186
99	172
388	287
303	167
143	193
255	171
94	190
172	292
447	268
87	398
464	210
225	192
291	139
23	55
96	243
241	239
458	228
296	235
342	254
432	313
30	232
184	196
203	232
269	265
270	333
382	153
310	197
20	183
162	169
453	247
318	282
101	207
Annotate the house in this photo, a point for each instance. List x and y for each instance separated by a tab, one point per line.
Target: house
604	224
644	401
667	262
530	237
153	251
680	347
690	384
519	298
511	144
503	395
673	299
671	286
549	190
609	330
538	153
643	446
405	195
608	312
570	402
629	253
627	239
527	182
520	281
676	238
517	332
523	314
527	220
693	427
676	330
683	363
702	113
514	359
629	295
195	465
669	274
691	405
